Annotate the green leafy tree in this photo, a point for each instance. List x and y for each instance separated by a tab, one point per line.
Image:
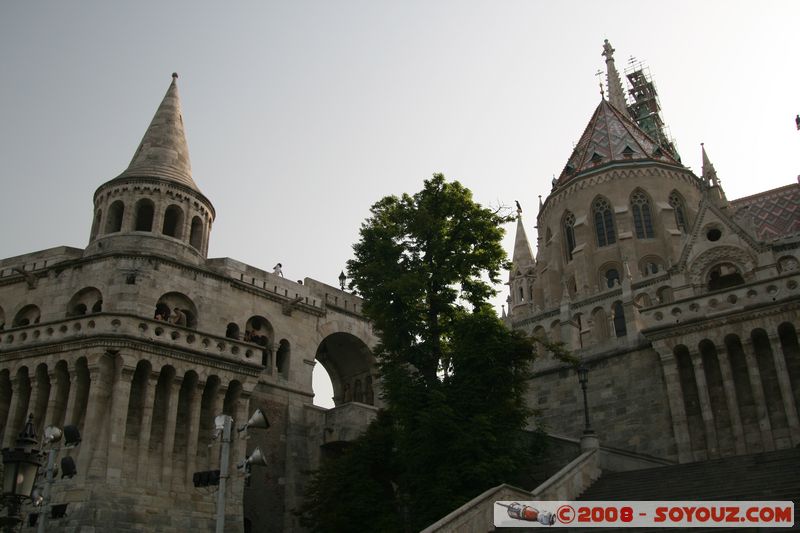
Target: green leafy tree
453	376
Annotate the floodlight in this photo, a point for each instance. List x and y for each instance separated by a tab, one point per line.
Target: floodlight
52	434
257	420
256	458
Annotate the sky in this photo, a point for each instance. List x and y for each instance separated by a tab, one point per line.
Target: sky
301	114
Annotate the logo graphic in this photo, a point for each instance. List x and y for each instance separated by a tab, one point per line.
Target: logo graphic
526	513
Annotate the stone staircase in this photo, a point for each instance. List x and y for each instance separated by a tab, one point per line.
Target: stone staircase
763	476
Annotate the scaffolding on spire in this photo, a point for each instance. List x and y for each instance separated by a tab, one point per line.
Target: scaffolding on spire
646	109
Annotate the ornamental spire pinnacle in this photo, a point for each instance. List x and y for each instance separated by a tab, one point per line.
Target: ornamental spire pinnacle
616	94
709	174
163	152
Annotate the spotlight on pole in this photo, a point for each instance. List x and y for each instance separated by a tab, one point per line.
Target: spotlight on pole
258	420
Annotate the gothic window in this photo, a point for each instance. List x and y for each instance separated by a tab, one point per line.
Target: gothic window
521	294
173	222
678	207
620	330
144	215
642	217
114	217
603	222
569	234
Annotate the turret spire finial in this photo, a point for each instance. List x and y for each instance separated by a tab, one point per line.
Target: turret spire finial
616	95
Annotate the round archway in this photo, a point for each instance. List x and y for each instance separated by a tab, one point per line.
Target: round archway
349	364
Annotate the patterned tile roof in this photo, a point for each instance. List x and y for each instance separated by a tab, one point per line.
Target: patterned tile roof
773	214
611	137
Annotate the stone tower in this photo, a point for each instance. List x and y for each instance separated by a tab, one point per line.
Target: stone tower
141	340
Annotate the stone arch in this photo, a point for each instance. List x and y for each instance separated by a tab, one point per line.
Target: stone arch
172	225
610	275
664	295
232	330
138	411
196	234
114	217
232	396
723	276
643	300
618	318
701	267
259	330
651	265
86	300
171	301
678	205
5	400
283	358
158	429
346	358
29	314
144	213
600	324
791	352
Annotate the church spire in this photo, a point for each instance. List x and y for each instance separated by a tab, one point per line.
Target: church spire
616	95
709	173
523	256
163	152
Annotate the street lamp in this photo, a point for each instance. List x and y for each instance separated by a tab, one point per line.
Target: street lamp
20	468
342	279
223	425
583	378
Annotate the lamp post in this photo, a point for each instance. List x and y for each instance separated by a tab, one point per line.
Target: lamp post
583	378
342	279
223	424
20	468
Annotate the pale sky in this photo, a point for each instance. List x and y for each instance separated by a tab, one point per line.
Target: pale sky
301	114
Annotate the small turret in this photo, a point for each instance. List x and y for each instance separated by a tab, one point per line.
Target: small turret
711	181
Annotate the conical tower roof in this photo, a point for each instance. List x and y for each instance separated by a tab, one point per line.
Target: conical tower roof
523	256
163	152
612	137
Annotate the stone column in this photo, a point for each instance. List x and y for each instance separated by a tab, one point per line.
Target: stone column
34	405
119	418
705	404
758	395
680	425
730	397
149	394
169	431
786	390
193	432
17	410
93	429
59	385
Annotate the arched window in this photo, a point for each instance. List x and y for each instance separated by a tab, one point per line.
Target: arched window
26	316
282	358
679	208
232	331
603	222
196	234
173	222
620	330
85	300
144	215
114	217
642	217
612	278
569	234
724	276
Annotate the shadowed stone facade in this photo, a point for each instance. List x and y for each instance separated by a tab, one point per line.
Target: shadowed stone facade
141	340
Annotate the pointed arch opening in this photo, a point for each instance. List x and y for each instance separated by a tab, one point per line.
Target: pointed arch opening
145	210
568	225
173	222
642	215
603	215
283	358
679	209
618	312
